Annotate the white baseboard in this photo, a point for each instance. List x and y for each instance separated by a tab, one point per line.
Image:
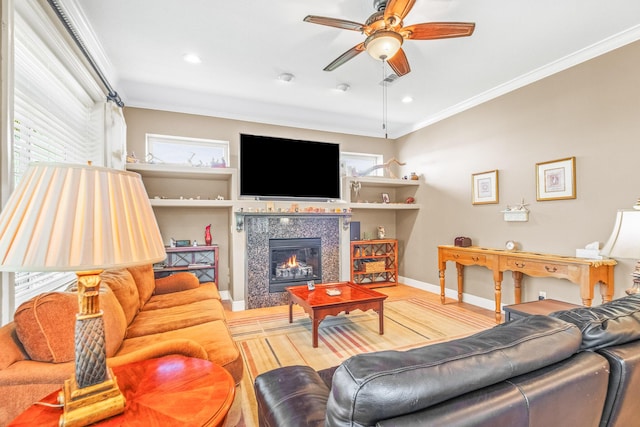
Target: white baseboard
435	289
235	305
450	293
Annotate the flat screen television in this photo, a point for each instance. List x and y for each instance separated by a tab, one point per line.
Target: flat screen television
280	168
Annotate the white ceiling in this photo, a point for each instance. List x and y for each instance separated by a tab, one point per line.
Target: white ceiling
246	44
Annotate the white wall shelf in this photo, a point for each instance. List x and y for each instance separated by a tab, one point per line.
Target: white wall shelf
181	172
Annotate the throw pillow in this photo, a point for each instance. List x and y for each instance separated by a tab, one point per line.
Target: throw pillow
145	281
45	325
181	281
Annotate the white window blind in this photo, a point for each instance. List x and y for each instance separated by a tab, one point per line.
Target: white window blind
55	99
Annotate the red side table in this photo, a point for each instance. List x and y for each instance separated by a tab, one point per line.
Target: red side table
168	391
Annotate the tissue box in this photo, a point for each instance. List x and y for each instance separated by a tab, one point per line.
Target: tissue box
588	253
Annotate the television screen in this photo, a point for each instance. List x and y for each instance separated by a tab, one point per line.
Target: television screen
279	168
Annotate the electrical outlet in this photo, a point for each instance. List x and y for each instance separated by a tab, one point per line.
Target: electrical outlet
542	295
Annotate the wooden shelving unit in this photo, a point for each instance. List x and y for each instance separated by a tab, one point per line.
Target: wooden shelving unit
374	263
200	260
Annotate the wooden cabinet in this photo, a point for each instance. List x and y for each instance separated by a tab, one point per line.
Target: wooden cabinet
374	263
200	260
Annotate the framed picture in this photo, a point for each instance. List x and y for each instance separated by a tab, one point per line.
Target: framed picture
385	197
556	179
485	187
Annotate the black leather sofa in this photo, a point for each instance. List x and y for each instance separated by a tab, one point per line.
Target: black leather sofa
578	367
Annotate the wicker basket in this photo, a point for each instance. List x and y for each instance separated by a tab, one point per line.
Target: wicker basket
373	266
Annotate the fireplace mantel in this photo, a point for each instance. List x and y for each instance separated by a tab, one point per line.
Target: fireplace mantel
240	216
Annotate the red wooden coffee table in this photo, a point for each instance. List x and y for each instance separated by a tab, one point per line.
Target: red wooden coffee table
318	304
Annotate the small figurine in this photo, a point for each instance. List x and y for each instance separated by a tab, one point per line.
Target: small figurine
381	232
207	235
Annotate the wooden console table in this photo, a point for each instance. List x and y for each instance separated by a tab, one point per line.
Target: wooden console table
581	271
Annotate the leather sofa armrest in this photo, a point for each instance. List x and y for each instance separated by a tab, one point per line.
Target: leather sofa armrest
291	396
183	347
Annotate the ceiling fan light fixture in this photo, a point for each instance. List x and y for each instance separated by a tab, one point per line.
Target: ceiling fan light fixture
382	45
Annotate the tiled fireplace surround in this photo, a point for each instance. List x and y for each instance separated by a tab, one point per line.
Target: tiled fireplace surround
259	229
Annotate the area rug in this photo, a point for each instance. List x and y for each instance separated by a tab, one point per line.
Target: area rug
270	341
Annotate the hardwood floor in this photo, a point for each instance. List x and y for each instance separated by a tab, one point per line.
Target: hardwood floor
394	293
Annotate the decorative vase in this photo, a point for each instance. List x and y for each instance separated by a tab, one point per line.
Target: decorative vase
207	235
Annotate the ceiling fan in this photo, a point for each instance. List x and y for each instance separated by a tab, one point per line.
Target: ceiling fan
385	33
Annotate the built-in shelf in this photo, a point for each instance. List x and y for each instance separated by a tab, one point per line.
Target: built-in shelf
181	172
389	206
378	181
178	203
365	192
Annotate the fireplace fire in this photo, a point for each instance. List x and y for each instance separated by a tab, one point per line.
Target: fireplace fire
294	262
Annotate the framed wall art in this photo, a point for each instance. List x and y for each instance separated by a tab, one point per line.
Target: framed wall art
485	187
556	179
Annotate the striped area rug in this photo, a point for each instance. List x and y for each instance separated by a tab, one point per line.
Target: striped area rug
270	341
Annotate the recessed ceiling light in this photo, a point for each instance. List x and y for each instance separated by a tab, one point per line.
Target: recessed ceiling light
343	87
286	77
407	99
192	58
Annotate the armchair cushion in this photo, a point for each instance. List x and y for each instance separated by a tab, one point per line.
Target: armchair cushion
45	325
613	323
180	281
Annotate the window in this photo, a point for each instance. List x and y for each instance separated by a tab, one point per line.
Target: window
187	151
55	113
358	164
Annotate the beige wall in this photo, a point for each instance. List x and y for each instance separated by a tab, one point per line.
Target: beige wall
591	112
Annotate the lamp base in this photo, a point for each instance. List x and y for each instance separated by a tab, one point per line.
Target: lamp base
84	406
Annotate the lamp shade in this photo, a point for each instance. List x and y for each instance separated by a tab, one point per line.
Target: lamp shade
73	217
625	237
382	45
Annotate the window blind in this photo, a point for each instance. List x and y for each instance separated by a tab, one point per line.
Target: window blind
55	112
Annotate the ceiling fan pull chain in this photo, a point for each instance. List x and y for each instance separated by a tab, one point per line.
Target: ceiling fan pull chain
384	99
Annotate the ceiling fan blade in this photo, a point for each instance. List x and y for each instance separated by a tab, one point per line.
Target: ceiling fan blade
399	63
437	30
351	53
396	10
334	22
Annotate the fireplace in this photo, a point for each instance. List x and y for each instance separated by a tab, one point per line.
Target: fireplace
262	229
294	262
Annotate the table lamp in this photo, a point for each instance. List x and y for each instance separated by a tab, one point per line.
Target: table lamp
82	218
624	242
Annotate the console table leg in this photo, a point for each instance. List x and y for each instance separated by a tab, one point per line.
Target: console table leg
441	274
460	269
517	286
381	319
498	297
